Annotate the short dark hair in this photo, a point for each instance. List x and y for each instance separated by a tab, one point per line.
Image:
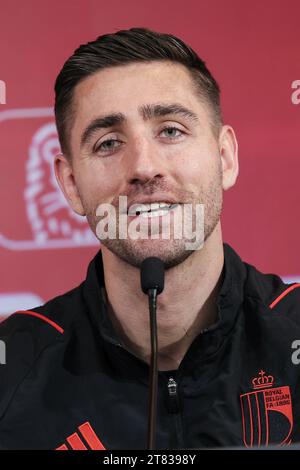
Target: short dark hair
125	47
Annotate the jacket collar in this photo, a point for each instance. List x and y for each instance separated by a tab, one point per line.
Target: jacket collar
229	301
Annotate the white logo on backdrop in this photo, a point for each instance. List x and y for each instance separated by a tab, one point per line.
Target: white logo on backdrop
12	301
53	223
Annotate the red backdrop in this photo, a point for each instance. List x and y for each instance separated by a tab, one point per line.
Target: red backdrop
253	50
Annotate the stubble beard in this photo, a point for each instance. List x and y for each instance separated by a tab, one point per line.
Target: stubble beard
171	251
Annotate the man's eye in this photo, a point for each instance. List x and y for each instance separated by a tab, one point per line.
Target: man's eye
169	133
106	146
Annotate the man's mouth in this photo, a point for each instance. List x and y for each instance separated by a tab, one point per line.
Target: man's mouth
155	209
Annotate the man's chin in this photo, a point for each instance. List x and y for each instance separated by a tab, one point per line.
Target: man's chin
133	252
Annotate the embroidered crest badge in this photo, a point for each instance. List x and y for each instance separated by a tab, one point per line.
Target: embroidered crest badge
266	413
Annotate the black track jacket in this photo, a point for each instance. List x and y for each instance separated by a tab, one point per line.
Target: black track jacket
68	383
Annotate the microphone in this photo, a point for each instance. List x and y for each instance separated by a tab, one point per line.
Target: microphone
152	275
152	283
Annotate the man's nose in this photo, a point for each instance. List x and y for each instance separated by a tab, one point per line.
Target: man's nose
144	161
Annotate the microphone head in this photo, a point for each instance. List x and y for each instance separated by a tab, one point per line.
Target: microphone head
152	274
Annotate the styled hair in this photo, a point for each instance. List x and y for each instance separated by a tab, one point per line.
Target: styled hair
125	47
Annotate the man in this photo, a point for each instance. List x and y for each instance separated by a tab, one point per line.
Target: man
138	115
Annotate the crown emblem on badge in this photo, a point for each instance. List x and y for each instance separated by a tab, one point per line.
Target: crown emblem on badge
264	381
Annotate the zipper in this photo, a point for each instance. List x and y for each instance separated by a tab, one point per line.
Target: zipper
176	432
173	396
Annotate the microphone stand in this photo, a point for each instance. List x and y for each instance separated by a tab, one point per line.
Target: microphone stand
152	284
152	295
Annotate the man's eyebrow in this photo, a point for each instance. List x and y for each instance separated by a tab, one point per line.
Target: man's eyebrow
101	122
148	111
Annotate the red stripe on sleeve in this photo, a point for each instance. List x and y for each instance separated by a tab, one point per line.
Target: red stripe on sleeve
284	293
42	317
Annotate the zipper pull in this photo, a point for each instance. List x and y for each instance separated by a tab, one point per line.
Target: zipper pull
173	396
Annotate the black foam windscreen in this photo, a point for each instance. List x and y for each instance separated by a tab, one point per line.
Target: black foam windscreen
152	274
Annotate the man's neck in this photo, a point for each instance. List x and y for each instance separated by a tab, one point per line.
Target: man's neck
185	307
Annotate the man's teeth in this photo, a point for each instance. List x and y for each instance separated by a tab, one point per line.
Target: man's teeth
153	209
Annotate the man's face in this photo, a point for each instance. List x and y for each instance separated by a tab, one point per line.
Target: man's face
138	157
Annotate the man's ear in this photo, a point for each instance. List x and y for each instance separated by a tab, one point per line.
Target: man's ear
228	148
66	181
